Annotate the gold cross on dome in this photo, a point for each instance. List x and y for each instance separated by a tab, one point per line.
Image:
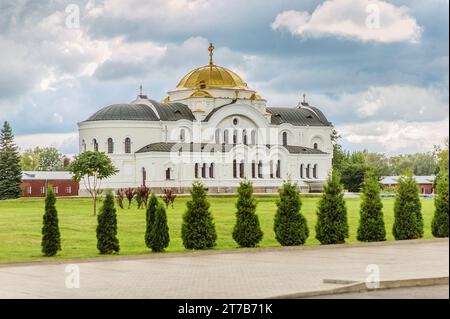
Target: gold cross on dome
211	49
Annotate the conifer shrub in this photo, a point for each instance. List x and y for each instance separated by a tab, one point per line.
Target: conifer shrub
332	225
371	222
160	231
290	225
198	230
107	241
51	241
150	219
408	220
247	231
439	224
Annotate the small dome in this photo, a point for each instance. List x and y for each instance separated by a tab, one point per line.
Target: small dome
255	97
130	112
200	93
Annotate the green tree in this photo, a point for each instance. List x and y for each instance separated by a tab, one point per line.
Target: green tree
198	230
10	172
150	218
160	231
92	168
419	164
371	223
247	231
379	163
439	224
332	225
107	241
42	159
51	242
339	155
353	171
290	225
408	220
441	155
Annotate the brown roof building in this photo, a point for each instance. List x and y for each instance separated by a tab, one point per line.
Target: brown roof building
35	183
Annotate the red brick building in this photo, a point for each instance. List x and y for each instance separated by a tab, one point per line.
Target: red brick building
35	183
425	183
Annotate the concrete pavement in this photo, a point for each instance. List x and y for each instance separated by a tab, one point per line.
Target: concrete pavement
257	273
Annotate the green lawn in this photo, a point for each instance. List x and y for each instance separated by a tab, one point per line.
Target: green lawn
21	220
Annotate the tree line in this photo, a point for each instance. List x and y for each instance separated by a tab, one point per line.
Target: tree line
353	166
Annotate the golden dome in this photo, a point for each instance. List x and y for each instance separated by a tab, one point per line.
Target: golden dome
211	76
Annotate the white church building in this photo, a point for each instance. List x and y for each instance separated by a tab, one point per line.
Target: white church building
212	127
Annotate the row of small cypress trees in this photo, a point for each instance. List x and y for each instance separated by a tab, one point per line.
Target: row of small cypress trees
290	226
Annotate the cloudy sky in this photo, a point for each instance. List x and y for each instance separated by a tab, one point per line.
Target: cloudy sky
379	70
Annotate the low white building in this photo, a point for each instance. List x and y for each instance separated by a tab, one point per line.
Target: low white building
211	127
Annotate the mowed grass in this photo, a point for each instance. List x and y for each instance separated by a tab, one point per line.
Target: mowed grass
21	223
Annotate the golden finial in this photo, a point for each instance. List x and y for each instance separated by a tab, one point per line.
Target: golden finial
211	49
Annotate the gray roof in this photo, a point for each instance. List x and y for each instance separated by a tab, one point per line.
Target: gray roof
294	149
393	180
173	111
133	112
46	175
143	112
209	147
304	116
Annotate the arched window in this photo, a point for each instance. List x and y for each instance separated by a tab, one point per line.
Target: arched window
253	169
196	170
234	169
285	139
168	174
253	137
211	170
315	171
271	169
241	170
302	168
83	146
278	171
308	168
260	169
234	137
225	137
217	136
95	143
144	176
182	135
110	146
316	146
127	145
244	137
204	170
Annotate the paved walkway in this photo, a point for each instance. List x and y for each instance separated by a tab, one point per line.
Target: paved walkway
258	273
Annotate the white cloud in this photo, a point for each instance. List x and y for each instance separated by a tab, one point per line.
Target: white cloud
387	103
65	142
395	137
365	20
49	53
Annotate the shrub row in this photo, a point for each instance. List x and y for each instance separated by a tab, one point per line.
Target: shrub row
290	226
